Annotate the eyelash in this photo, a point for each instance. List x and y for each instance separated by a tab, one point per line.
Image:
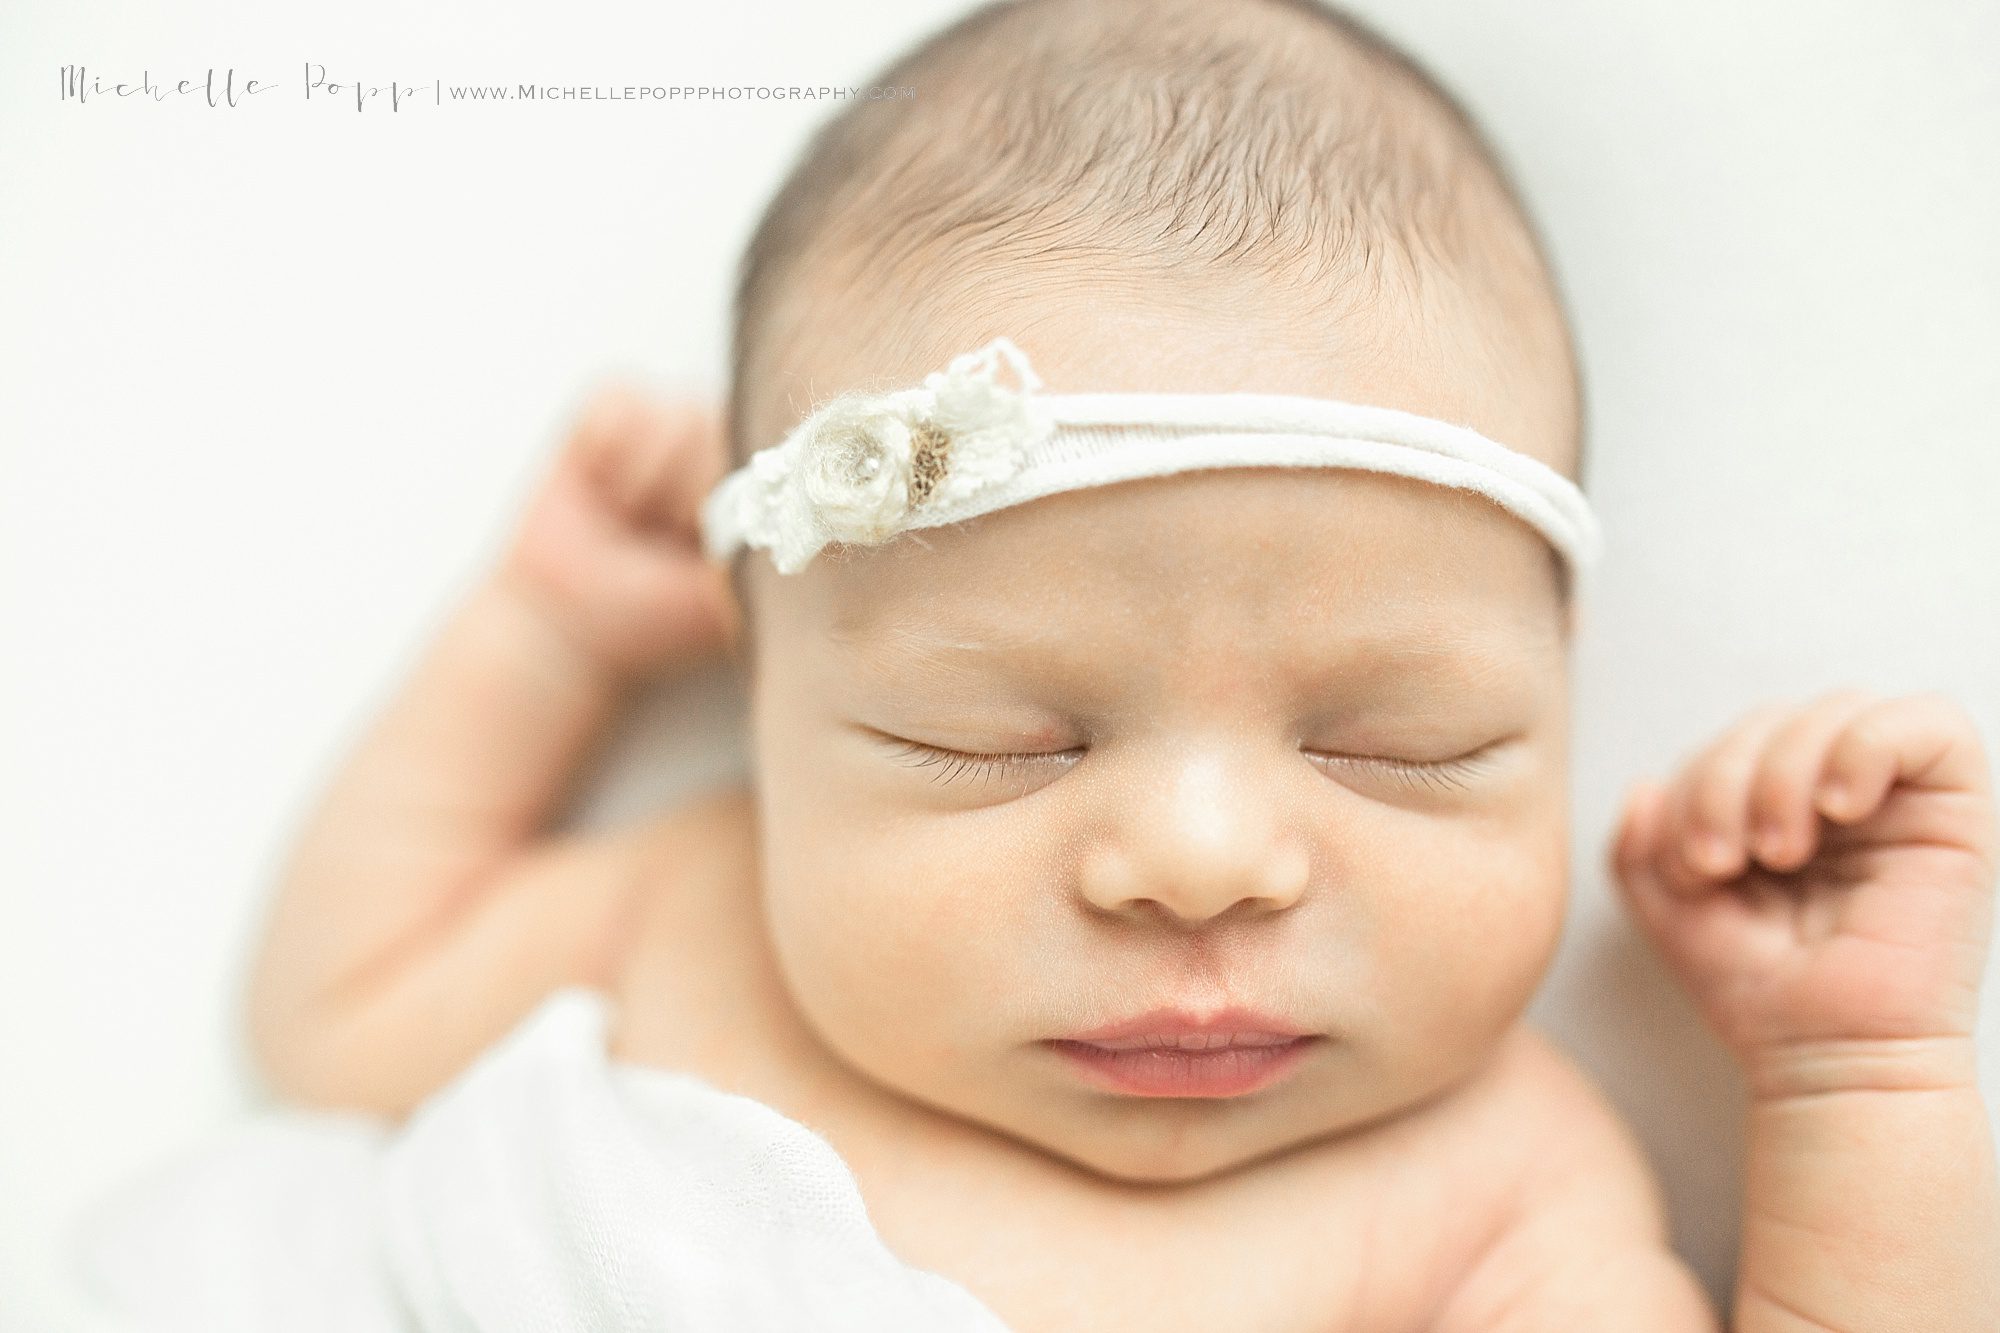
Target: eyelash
1439	774
1436	774
961	761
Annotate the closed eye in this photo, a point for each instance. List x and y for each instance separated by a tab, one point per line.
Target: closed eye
1447	774
953	764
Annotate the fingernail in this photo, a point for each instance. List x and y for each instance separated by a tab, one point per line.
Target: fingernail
1770	841
1834	796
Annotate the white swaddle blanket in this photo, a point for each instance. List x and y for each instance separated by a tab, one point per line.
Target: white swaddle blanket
547	1189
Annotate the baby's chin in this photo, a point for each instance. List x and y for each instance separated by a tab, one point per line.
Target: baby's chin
1191	1162
1174	1140
1161	1144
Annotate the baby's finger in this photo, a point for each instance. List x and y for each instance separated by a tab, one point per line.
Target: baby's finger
1705	817
1924	741
654	456
612	414
1783	823
685	462
1635	868
1701	936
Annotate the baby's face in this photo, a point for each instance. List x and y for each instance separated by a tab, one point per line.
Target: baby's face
1292	740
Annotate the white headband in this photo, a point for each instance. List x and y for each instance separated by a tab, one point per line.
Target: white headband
865	467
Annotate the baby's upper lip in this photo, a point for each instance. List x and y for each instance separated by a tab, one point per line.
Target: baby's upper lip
1231	1026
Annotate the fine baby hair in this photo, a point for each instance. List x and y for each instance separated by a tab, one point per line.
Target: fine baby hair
1273	169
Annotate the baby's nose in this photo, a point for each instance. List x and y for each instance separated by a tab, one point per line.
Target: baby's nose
1197	842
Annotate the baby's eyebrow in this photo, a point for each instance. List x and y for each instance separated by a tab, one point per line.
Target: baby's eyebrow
1460	653
930	637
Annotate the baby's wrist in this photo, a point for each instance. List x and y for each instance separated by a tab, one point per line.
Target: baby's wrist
1786	1071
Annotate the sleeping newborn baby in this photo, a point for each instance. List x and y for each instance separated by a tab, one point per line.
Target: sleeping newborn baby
1146	516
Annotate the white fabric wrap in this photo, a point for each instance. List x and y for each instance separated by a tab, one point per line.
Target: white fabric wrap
547	1190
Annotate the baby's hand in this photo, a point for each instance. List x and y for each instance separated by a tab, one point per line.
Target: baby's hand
609	547
1821	879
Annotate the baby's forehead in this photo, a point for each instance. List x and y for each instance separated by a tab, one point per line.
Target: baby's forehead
1273	564
1249	535
958	632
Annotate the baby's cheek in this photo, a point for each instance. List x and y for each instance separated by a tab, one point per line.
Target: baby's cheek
881	950
1476	929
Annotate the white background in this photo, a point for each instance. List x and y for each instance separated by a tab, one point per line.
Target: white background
274	379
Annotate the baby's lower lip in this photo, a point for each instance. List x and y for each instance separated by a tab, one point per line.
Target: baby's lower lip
1232	1069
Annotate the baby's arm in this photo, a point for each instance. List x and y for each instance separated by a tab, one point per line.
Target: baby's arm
1842	962
425	908
1870	1199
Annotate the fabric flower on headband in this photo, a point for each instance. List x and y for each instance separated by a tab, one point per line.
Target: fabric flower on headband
856	469
859	467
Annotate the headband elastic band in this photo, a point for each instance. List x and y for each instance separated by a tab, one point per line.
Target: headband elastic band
867	466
